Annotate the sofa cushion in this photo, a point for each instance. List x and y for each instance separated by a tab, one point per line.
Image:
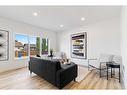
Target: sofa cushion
65	66
58	66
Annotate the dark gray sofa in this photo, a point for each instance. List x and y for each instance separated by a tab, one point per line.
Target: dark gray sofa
52	71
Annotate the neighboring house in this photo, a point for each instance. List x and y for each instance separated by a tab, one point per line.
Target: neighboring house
33	47
25	47
18	45
20	49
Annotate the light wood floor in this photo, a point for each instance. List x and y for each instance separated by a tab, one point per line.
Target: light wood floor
21	79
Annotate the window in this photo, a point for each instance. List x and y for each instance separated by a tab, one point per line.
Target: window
34	46
44	46
21	46
25	44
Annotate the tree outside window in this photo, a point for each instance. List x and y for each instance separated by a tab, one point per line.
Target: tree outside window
34	46
44	45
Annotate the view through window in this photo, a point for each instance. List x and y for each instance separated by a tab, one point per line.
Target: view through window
44	46
34	46
24	43
21	46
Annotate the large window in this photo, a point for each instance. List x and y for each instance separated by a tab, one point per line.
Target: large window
34	46
25	44
21	46
44	46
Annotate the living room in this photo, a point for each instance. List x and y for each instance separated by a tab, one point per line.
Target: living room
31	35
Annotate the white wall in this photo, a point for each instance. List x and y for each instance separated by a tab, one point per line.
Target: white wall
108	31
17	27
103	37
124	42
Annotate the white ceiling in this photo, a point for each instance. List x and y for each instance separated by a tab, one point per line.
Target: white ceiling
51	17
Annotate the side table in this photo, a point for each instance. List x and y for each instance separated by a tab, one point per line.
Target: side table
113	65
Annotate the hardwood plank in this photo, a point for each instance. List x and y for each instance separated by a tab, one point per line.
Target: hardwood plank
21	79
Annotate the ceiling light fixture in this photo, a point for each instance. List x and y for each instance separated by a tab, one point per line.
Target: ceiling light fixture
61	25
35	14
82	18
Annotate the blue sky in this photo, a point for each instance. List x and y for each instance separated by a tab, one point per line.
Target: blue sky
21	38
24	39
32	40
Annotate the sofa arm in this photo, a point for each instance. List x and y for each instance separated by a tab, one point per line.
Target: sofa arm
66	75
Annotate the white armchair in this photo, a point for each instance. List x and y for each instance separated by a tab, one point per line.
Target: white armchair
99	63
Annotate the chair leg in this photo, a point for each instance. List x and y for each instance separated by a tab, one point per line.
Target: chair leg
100	70
30	73
111	72
74	80
114	72
100	73
88	68
119	74
107	72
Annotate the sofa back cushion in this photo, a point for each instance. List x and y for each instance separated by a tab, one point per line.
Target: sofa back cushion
45	68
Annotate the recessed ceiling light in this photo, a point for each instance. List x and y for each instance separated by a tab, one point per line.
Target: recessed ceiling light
35	14
61	25
82	18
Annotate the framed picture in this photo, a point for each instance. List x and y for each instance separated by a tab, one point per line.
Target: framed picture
4	45
21	46
79	45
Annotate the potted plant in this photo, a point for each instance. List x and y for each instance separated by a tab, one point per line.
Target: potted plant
51	52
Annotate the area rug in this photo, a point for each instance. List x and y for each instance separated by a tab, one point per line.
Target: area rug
82	73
